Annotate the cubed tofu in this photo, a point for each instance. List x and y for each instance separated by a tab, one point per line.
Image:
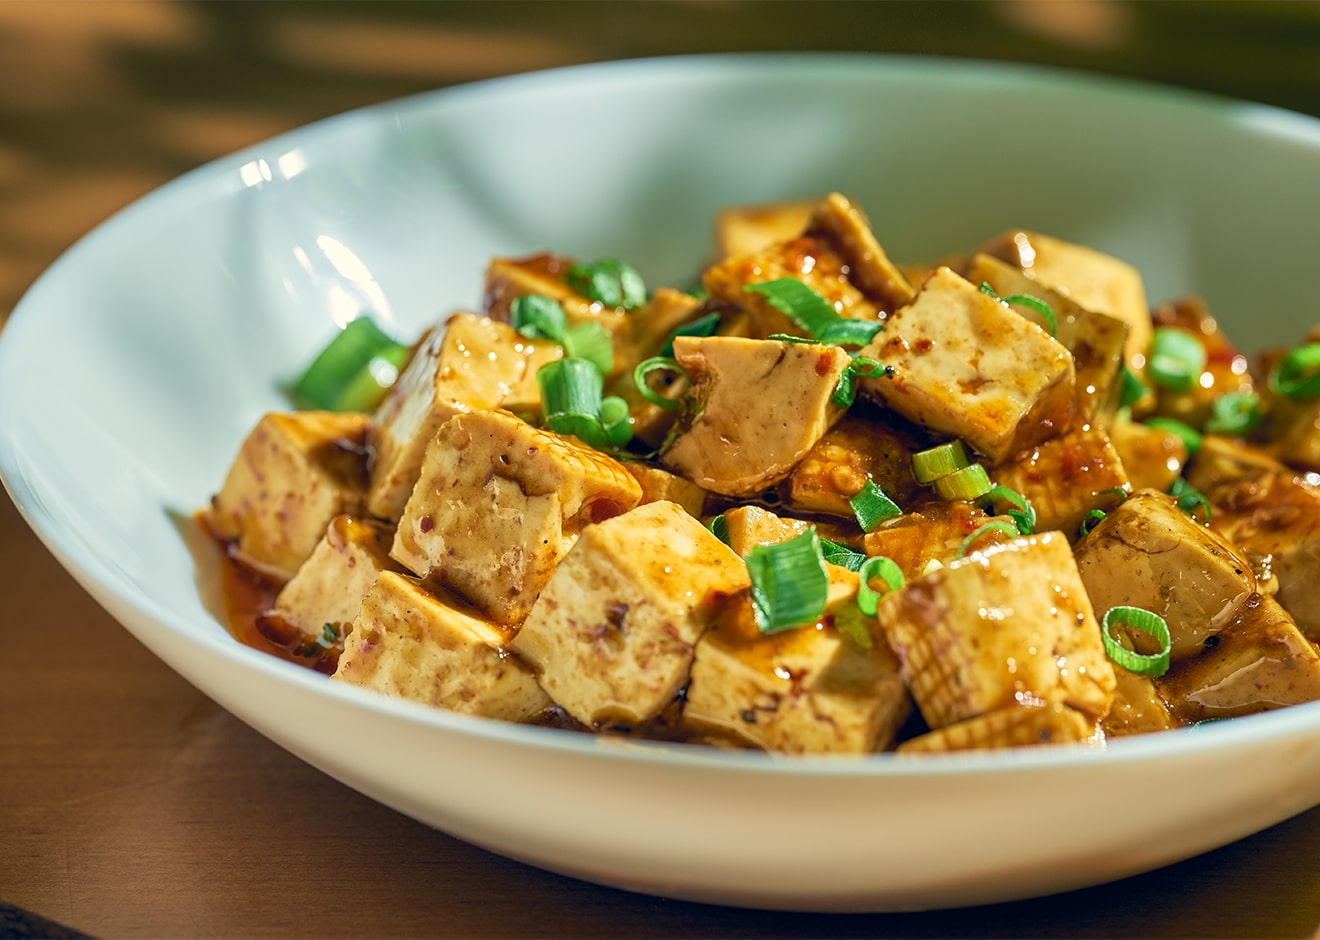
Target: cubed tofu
1276	517
293	474
498	503
750	526
1067	477
1225	371
1138	707
1016	726
965	365
1292	425
658	484
507	279
612	634
930	535
806	690
1011	625
1225	460
415	644
760	406
745	230
1149	553
858	448
1096	340
1258	662
469	362
331	583
1152	457
1092	279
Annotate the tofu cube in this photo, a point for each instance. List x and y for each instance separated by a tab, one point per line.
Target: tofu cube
507	279
415	644
800	691
750	526
1067	477
658	484
929	535
498	503
1015	726
1152	457
1138	707
968	366
1008	626
1149	553
857	449
745	230
467	363
612	634
293	474
760	406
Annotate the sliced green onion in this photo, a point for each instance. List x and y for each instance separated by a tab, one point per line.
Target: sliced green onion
592	342
1153	665
353	372
790	586
1189	498
970	482
995	525
871	506
1176	359
697	290
1034	304
1131	388
572	404
929	465
1093	519
809	310
537	316
845	391
887	570
702	326
1120	492
1022	513
843	556
719	527
1190	437
616	420
850	623
608	281
1298	375
657	364
1235	414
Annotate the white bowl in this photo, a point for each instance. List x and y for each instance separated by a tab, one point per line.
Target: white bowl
133	369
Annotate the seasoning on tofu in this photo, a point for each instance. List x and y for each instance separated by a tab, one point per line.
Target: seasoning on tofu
826	503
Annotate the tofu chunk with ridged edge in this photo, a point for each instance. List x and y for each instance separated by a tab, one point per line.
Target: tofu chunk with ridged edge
1149	553
611	636
468	362
1011	625
498	503
1015	726
806	690
415	644
293	474
759	406
1067	477
965	365
331	583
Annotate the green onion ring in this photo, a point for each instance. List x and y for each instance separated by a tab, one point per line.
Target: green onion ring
884	568
1153	665
1298	375
998	525
658	364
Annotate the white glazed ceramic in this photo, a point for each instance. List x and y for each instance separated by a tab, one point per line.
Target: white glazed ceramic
133	369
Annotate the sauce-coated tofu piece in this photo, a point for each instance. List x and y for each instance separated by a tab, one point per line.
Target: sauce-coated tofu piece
658	484
760	406
293	474
1011	625
468	362
330	585
1138	707
745	230
1067	477
507	279
1152	457
930	534
1015	726
800	691
612	634
1092	279
1149	553
1258	662
411	643
1225	371
967	366
857	449
750	526
498	503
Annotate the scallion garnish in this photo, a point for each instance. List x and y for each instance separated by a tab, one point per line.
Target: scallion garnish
1022	512
608	281
353	372
701	326
887	570
1093	519
539	317
970	482
994	525
719	527
1234	414
1298	375
1130	388
841	555
1176	359
1034	304
1153	665
809	310
845	391
871	506
657	364
1190	437
571	402
929	465
1189	498
790	586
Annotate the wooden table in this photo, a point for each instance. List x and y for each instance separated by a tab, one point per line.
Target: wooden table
132	805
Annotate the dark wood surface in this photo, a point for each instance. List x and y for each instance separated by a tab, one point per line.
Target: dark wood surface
131	805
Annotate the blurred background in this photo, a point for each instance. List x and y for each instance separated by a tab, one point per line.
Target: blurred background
103	100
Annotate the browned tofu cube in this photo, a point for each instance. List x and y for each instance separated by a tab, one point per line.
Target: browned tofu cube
1029	725
1008	626
746	230
414	644
930	535
612	633
658	484
1138	707
468	362
293	474
1067	477
807	690
507	279
856	449
750	526
498	503
1152	457
968	366
1225	371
